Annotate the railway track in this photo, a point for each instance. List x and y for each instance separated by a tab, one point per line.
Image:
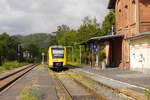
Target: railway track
9	79
97	95
70	88
71	84
108	92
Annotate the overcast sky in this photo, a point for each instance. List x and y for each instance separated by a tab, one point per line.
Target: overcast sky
31	16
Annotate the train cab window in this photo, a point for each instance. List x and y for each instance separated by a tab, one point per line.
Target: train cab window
58	52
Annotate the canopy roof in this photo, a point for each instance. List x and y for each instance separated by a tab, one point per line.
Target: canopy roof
102	39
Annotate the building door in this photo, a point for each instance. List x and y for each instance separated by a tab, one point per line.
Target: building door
116	53
137	58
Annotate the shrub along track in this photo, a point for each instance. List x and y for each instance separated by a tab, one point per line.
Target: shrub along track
9	79
69	88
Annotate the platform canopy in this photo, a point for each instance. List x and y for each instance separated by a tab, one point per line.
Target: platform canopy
102	39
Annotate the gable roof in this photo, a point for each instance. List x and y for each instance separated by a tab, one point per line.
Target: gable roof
111	4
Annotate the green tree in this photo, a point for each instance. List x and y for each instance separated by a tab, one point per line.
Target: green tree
89	28
61	30
108	22
33	49
1	52
13	49
86	20
68	38
8	48
4	39
12	55
42	40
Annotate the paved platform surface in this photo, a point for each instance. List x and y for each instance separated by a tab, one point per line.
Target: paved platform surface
38	78
131	77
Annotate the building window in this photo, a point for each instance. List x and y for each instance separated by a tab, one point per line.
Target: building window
119	10
126	6
133	12
133	2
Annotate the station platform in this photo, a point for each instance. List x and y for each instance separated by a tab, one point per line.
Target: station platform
136	78
132	82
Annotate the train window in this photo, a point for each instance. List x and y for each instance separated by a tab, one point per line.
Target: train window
58	52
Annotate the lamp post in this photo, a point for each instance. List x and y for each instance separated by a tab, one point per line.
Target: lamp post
43	54
19	52
80	55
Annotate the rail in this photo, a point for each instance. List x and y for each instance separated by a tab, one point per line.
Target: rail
99	96
60	84
7	80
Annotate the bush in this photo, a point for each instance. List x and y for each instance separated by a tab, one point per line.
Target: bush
29	60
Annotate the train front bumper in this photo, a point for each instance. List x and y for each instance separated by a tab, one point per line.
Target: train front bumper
57	64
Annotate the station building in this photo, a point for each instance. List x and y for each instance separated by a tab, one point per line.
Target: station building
129	48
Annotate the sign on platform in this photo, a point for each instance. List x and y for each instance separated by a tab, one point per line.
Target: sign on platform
94	48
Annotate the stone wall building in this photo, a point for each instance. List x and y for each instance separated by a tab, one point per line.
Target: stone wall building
133	21
129	48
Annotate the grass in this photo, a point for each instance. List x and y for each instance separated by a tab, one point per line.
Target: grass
41	66
77	64
147	93
74	63
11	65
31	93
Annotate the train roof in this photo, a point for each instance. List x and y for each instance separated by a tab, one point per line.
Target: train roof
57	46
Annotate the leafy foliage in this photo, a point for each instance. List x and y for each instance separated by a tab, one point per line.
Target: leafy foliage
8	48
108	22
42	40
34	50
35	44
68	38
89	28
61	30
85	32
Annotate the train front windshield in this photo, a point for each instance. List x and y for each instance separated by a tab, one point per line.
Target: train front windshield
58	52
